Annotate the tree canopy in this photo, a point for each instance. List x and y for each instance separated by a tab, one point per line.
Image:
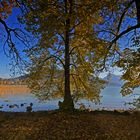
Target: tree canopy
69	53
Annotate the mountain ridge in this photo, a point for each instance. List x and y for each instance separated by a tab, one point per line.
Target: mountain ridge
113	79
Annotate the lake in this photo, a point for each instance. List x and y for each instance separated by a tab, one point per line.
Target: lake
17	98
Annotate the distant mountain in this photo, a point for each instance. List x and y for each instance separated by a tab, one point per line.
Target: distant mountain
114	80
22	77
111	80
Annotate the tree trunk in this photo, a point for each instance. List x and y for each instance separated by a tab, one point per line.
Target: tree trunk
68	101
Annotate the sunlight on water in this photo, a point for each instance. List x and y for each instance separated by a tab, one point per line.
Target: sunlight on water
17	98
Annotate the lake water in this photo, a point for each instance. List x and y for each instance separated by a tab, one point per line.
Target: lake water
16	99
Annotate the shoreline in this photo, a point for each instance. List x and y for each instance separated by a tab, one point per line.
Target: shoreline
96	111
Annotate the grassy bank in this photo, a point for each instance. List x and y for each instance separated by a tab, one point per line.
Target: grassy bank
55	125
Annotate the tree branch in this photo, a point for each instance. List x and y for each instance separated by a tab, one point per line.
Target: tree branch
116	39
123	14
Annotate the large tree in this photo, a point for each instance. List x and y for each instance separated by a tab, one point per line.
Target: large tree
74	39
68	52
68	42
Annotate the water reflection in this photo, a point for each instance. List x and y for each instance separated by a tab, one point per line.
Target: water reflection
6	90
18	99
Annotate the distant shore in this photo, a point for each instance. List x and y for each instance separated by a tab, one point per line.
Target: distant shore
14	89
49	125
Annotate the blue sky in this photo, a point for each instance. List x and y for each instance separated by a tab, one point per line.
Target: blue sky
4	60
4	66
